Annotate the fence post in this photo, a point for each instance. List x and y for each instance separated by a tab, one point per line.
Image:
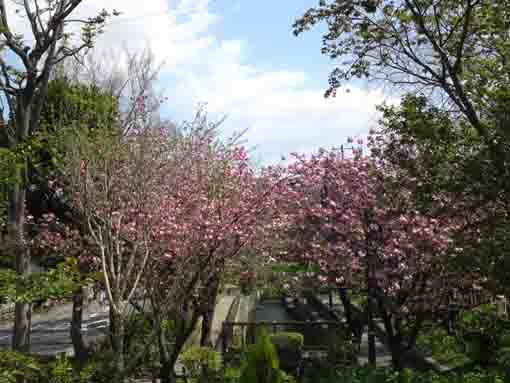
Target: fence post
224	337
501	306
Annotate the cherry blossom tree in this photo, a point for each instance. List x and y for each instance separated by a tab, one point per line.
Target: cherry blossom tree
215	205
164	212
117	184
357	221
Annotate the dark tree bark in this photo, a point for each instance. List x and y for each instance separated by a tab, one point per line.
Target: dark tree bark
355	325
117	338
80	350
21	252
208	315
25	98
169	352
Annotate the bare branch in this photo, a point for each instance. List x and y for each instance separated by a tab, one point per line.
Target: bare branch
9	38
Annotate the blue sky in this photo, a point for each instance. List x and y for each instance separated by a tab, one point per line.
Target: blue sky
241	58
267	26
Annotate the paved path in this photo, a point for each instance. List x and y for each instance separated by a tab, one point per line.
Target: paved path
220	315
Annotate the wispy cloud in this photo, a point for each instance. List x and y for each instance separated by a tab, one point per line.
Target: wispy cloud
283	109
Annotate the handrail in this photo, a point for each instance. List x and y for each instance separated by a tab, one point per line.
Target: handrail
284	323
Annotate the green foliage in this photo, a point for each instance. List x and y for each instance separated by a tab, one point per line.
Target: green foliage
77	104
196	359
289	346
72	111
271	292
293	340
13	160
52	284
259	363
481	339
13	365
293	268
445	349
231	375
99	369
388	375
138	329
415	43
486	337
61	370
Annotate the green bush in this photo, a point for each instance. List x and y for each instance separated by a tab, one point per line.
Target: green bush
289	346
259	363
389	375
59	370
231	375
294	340
486	337
444	348
138	329
14	365
196	359
100	368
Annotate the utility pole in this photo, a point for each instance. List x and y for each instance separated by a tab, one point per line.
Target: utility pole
370	281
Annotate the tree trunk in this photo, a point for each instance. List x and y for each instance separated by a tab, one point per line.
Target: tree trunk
112	325
394	336
355	326
207	318
166	370
80	350
168	356
117	337
21	251
397	353
167	374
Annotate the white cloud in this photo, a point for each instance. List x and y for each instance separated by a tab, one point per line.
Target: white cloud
284	110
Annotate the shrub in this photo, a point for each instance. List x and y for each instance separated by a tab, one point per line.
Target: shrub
14	365
294	340
289	346
138	329
444	348
389	375
61	370
100	368
260	363
196	359
231	375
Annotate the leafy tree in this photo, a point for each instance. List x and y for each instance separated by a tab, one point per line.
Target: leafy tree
448	156
92	111
454	52
25	88
455	48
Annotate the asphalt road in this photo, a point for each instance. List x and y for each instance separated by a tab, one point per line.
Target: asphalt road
51	331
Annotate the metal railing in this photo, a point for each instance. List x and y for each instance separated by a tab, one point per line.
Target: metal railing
316	333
